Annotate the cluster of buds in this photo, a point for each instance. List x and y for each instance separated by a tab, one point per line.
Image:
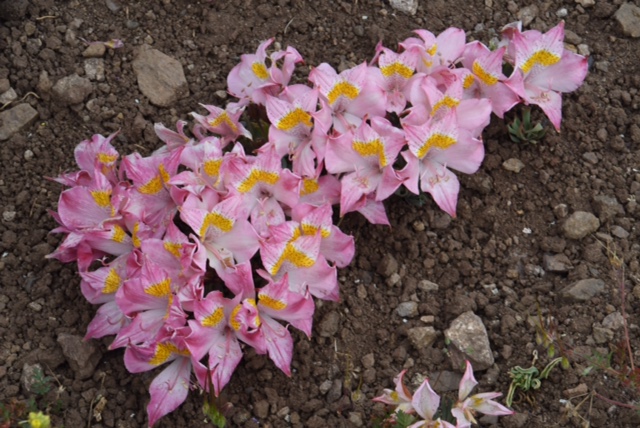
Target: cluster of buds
171	245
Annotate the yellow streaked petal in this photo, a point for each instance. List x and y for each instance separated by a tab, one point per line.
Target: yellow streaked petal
173	247
102	197
432	50
484	76
294	256
118	234
260	70
214	319
161	289
468	81
344	89
293	119
106	158
446	101
542	57
310	229
164	174
223	118
371	148
217	220
271	303
439	141
112	282
152	186
134	235
309	186
164	351
212	167
397	68
235	323
258	176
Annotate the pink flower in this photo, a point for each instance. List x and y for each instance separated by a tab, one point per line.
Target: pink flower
223	123
466	407
485	78
395	71
544	69
433	53
351	95
400	397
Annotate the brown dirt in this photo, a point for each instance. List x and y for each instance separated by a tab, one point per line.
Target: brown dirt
40	299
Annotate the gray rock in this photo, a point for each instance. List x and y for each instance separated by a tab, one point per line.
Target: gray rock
407	309
94	50
583	290
8	96
409	7
388	266
619	232
422	337
629	18
613	321
557	263
368	361
335	392
527	14
602	335
513	165
72	89
428	286
580	224
561	210
468	340
586	3
160	77
325	386
82	356
261	409
16	119
607	207
5	85
94	69
356	419
329	324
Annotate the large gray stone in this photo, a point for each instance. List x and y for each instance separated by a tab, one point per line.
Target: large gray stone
629	18
72	89
409	7
160	77
580	224
16	119
468	340
583	290
82	356
422	337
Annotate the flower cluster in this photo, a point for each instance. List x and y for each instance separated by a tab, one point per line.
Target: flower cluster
171	245
425	403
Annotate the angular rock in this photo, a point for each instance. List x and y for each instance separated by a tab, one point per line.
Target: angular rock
160	77
628	16
388	266
607	207
527	14
8	96
513	165
71	89
422	337
82	356
16	119
468	340
409	7
558	263
580	224
583	290
329	325
33	380
602	335
428	286
94	50
407	309
613	321
94	69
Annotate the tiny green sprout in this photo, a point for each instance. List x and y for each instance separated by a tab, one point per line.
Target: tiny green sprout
523	131
529	378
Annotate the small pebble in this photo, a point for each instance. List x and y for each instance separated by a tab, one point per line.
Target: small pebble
28	154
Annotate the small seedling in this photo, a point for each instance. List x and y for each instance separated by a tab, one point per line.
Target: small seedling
524	131
529	378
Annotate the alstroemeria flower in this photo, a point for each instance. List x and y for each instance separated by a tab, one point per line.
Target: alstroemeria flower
289	251
433	148
366	156
351	95
297	129
425	402
173	140
318	189
395	69
544	69
466	407
400	397
170	388
224	231
253	79
223	122
204	161
336	246
433	53
262	187
485	78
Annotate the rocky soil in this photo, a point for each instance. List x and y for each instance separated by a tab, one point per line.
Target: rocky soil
537	230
